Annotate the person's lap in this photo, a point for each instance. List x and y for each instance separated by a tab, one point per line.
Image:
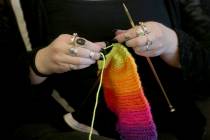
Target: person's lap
48	132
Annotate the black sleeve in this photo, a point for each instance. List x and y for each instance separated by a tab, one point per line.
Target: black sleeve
194	58
194	42
14	58
14	72
35	18
195	21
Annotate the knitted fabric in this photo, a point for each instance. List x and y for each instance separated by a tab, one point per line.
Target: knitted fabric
125	97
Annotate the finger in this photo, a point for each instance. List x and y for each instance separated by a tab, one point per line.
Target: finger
137	42
151	53
82	66
120	32
141	41
83	52
126	35
67	38
149	48
101	44
77	60
77	67
95	47
64	67
83	43
146	48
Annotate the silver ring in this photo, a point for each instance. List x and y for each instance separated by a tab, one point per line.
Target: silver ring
148	44
72	67
91	55
139	31
73	51
144	28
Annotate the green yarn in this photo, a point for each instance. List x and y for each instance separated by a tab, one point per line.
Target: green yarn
118	52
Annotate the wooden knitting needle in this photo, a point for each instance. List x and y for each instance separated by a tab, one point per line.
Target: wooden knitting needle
172	109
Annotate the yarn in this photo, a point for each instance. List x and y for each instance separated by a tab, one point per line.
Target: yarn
124	96
97	96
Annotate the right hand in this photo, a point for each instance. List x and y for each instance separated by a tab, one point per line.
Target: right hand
62	55
159	41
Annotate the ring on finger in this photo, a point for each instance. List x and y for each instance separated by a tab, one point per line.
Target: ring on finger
80	41
139	31
148	44
73	38
91	55
72	67
73	51
144	28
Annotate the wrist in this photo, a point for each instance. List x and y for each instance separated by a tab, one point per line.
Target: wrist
171	54
33	63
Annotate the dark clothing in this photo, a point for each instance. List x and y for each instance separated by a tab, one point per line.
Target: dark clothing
198	24
14	73
18	103
195	59
25	112
95	20
206	6
48	132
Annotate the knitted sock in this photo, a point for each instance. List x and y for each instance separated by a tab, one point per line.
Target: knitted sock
125	97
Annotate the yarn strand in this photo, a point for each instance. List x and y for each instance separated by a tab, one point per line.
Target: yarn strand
97	96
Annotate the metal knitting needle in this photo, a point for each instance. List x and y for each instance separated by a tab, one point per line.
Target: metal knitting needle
172	109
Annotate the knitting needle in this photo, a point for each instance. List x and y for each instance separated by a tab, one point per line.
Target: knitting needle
172	109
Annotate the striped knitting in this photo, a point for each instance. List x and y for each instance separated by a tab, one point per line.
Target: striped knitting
125	97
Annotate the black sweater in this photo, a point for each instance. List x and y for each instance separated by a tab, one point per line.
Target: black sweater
37	19
15	83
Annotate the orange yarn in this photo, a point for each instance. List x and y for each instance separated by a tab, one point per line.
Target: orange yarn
124	96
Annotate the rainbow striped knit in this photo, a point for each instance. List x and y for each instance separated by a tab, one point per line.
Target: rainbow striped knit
125	97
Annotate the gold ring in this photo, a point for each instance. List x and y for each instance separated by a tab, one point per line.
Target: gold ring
73	38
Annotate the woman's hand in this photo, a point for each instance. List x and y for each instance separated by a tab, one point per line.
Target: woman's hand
67	53
152	39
